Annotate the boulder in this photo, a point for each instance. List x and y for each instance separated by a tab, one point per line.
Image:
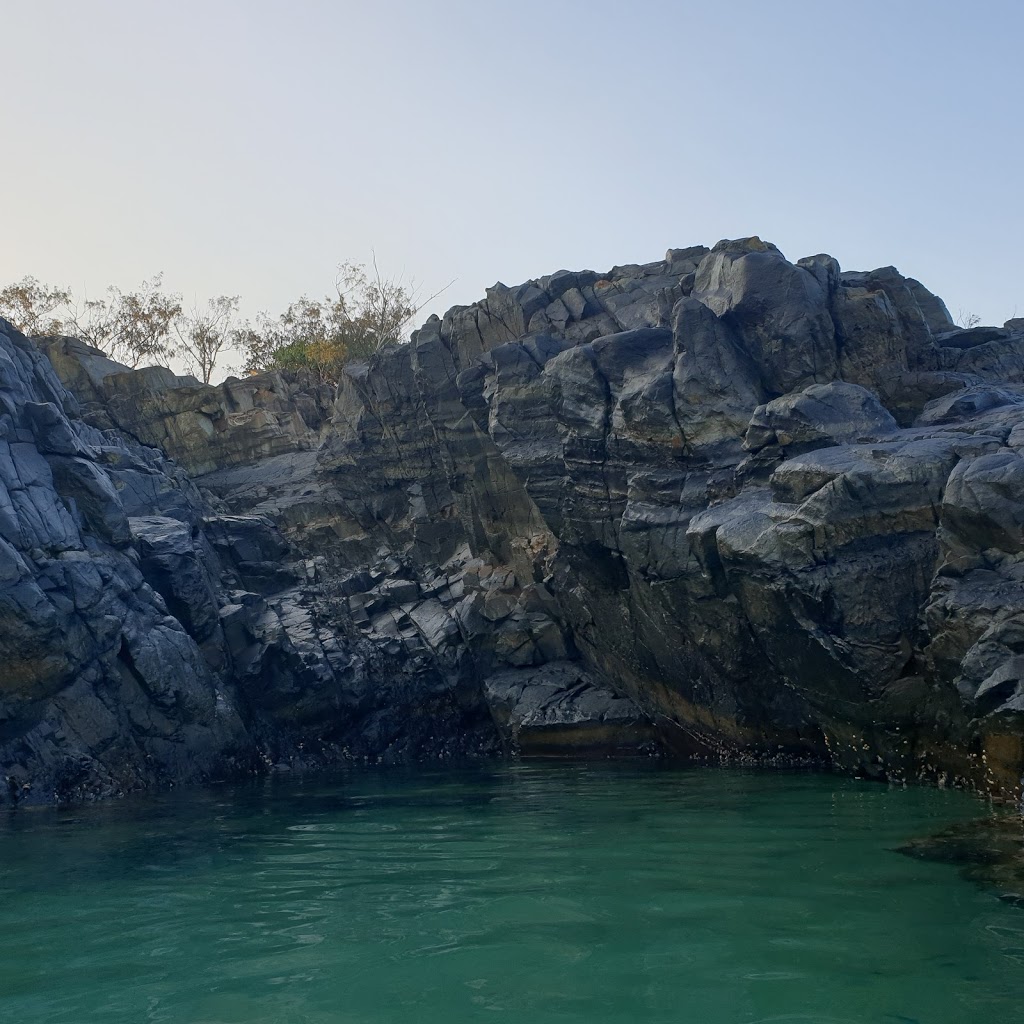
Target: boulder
559	710
819	416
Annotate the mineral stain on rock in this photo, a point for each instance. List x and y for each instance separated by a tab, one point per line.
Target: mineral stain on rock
721	505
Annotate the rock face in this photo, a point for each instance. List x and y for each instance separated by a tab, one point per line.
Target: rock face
559	710
147	638
722	503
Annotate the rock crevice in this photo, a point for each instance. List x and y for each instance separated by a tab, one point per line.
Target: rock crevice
723	505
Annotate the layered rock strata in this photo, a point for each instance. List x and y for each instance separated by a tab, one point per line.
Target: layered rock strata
723	503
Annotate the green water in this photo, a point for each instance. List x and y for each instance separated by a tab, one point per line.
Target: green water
522	893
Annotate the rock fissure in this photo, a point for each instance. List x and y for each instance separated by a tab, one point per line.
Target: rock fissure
722	505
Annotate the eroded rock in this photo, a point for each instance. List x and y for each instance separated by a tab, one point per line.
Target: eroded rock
749	507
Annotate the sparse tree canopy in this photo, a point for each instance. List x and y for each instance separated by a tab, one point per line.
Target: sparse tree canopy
35	308
366	312
131	327
203	333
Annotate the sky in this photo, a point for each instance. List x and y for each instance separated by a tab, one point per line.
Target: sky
248	146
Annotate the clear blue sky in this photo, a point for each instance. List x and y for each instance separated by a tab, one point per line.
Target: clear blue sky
246	146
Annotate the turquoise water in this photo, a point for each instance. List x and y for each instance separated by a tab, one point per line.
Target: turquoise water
519	893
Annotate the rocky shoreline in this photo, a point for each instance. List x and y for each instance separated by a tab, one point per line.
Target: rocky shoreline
720	506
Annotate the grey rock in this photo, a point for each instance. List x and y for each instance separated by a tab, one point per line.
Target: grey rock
561	710
818	416
779	310
983	504
773	505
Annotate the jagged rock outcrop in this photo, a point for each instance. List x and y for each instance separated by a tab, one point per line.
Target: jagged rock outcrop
101	688
207	428
734	505
145	638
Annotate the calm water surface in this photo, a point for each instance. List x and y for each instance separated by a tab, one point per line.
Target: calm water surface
534	894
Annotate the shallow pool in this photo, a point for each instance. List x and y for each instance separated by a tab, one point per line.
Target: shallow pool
526	893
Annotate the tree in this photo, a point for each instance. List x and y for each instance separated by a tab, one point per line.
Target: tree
30	306
366	312
131	327
309	334
204	333
259	343
380	309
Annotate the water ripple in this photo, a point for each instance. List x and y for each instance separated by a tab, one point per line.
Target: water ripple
547	894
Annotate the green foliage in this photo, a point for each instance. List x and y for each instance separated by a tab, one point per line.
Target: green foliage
366	312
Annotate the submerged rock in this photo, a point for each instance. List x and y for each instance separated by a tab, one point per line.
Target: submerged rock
741	506
988	851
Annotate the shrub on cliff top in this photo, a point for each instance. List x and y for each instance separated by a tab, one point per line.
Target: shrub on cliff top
366	312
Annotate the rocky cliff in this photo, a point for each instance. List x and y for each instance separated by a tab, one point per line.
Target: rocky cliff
722	505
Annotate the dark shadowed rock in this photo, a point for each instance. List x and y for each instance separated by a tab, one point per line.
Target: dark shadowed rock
559	710
751	508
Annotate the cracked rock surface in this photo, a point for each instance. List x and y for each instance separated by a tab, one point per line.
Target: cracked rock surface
721	504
